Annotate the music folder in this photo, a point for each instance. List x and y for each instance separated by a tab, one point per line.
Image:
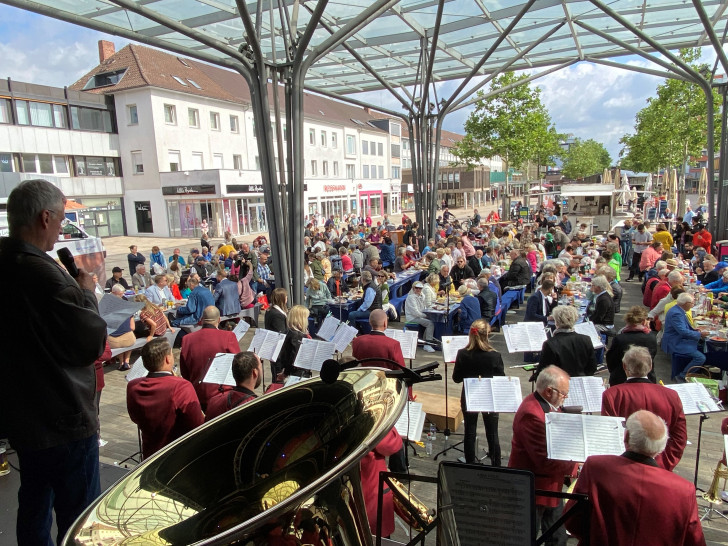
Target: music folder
587	393
493	394
451	345
573	437
220	371
695	398
312	353
407	340
524	337
410	422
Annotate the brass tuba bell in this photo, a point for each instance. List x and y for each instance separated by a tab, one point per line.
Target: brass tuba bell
712	495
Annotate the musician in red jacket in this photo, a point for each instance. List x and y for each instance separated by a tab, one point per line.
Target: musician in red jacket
163	406
248	375
199	349
372	464
639	393
624	491
377	344
528	445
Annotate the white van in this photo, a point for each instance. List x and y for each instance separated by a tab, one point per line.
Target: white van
88	251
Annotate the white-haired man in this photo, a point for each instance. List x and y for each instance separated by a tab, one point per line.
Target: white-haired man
680	337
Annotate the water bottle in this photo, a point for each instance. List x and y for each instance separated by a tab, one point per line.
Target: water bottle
428	444
433	431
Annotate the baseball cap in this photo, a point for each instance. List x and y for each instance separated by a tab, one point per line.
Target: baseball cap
119	270
194	251
418	284
721	265
410	249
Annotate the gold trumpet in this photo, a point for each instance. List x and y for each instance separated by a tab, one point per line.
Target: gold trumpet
712	495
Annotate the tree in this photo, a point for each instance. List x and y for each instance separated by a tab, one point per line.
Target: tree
673	126
584	158
512	124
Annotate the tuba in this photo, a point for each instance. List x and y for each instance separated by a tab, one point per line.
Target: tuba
264	473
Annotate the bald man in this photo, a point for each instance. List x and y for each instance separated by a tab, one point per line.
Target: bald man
376	344
626	491
198	350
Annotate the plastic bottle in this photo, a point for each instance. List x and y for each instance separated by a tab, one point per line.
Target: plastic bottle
428	444
433	431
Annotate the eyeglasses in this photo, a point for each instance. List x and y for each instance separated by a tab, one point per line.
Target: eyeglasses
65	220
561	393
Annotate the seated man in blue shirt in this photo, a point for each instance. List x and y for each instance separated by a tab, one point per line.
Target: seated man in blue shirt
199	298
680	337
371	300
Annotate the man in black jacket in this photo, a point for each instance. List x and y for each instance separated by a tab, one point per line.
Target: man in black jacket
519	274
460	272
488	299
48	387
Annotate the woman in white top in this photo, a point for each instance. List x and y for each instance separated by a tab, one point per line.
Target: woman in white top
429	292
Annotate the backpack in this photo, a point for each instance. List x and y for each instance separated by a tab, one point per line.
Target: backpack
336	263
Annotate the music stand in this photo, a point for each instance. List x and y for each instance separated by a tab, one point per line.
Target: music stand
447	432
133	456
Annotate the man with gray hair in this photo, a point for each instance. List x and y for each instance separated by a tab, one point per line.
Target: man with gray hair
414	310
639	393
487	299
680	338
624	491
371	300
141	278
528	446
54	430
226	294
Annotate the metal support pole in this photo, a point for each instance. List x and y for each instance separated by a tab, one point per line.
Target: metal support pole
721	229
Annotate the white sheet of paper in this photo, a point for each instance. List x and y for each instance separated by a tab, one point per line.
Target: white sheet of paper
414	416
328	328
573	437
524	336
257	342
137	370
220	371
342	338
407	340
240	329
451	345
587	393
695	398
267	344
292	380
588	329
496	394
312	353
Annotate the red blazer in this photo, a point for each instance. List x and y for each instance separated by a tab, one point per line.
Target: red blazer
528	449
626	509
198	350
660	290
164	407
376	344
372	464
225	401
641	394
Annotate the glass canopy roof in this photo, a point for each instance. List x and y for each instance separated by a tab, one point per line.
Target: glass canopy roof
386	38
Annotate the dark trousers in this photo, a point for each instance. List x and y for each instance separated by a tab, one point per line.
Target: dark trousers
491	435
545	518
63	478
634	269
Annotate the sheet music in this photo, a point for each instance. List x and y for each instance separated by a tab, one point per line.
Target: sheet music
257	341
524	336
587	393
292	380
240	329
267	344
572	437
451	345
695	398
220	371
414	416
588	329
137	370
115	311
343	337
312	354
328	328
407	340
496	394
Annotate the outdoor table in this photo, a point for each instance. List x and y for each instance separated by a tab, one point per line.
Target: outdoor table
402	281
444	325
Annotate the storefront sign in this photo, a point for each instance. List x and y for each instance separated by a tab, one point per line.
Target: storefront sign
244	188
334	188
186	190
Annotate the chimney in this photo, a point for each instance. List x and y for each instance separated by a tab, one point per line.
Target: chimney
106	50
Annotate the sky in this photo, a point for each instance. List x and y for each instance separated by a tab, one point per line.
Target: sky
586	100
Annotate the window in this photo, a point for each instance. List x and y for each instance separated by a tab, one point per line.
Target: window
395	129
193	117
217	162
91	119
380	149
104	79
350	170
5	111
395	172
334	140
237	162
364	147
39	114
194	83
197	162
395	150
325	168
312	136
132	115
180	81
405	144
137	163
234	127
46	163
324	139
214	121
29	163
374	171
174	161
351	144
60	164
336	168
365	171
96	166
7	163
380	171
170	114
314	168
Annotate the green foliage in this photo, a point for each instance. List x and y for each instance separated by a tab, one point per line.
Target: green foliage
673	126
584	158
513	124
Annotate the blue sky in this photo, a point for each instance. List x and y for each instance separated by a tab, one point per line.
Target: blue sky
589	101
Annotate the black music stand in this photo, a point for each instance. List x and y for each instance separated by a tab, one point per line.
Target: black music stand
447	432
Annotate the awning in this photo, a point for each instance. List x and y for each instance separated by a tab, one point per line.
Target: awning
582	191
